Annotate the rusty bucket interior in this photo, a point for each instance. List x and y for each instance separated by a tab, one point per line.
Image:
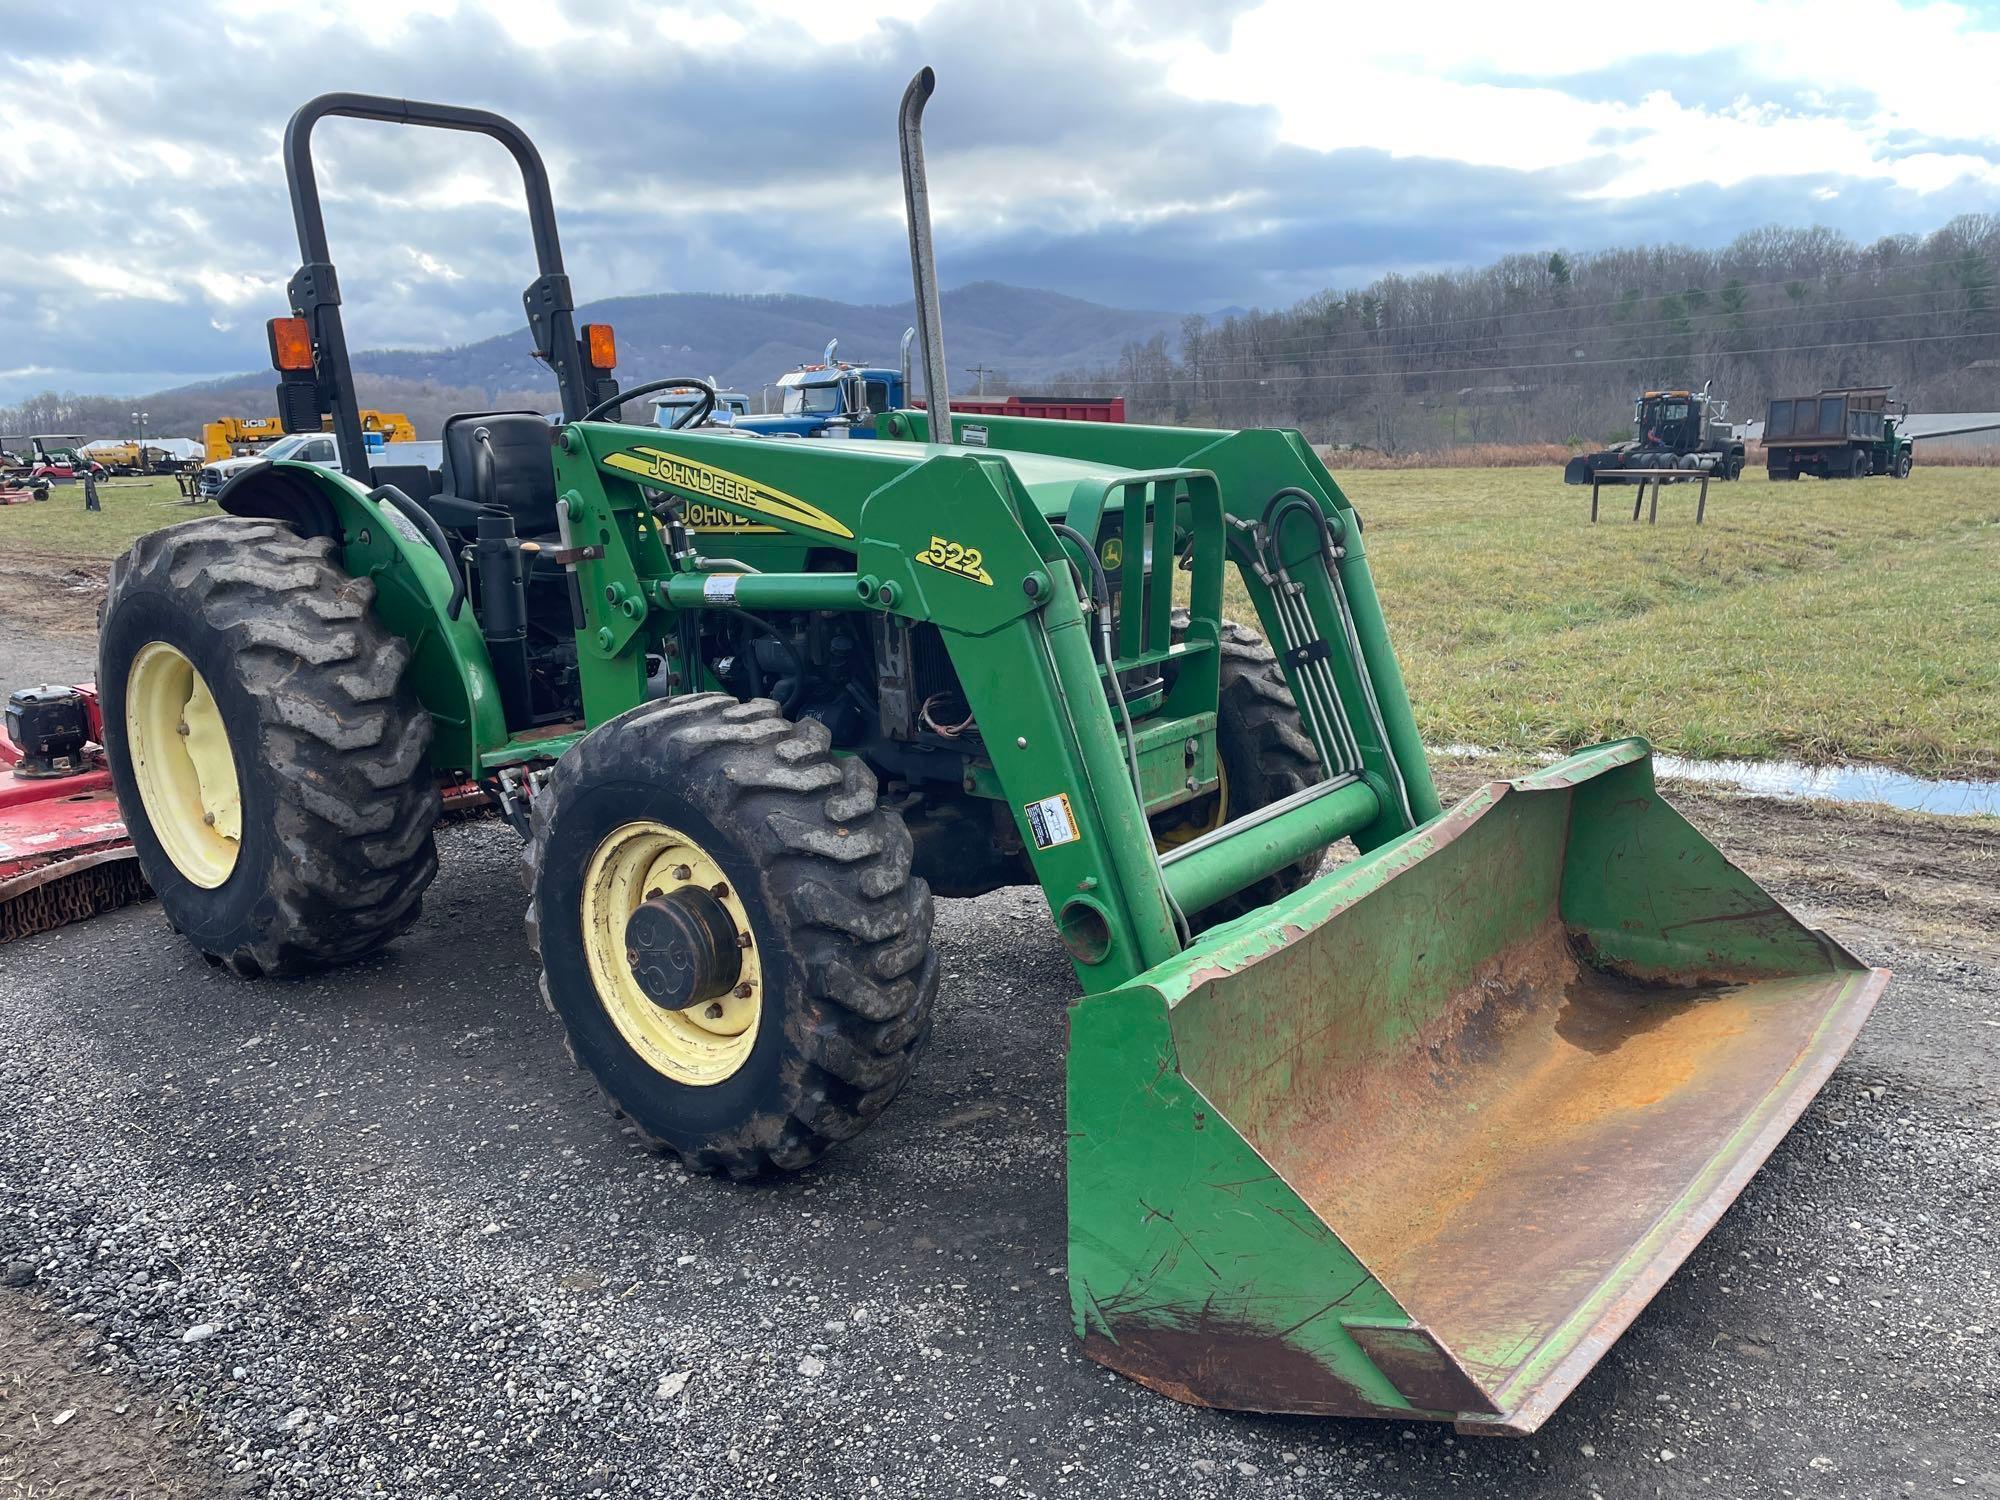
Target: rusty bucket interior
1513	1068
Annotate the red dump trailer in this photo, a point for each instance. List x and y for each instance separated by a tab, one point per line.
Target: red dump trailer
1053	408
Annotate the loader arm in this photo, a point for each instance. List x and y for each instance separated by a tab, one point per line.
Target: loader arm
966	541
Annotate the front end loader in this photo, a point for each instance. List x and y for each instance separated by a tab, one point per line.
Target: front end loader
1411	1130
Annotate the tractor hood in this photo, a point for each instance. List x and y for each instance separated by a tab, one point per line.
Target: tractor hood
1050	481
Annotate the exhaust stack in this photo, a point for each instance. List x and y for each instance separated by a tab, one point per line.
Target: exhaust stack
923	260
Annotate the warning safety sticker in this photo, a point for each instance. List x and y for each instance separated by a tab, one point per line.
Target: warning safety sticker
1051	821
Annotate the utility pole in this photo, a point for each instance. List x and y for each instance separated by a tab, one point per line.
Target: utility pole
982	371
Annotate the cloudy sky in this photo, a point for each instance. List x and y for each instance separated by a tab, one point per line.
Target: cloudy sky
1174	154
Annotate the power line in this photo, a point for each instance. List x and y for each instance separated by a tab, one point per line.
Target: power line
1571	364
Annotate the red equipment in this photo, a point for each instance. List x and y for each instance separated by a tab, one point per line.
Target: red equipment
66	473
64	853
1054	408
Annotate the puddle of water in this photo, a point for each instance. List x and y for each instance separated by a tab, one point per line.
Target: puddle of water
1786	778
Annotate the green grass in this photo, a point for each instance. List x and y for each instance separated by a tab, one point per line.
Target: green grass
1812	620
60	524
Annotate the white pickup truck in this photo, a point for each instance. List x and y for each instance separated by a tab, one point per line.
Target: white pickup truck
310	448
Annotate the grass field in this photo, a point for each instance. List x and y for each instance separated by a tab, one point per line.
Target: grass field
1824	622
61	526
1818	621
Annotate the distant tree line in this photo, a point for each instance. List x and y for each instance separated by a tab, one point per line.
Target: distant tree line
1533	348
1551	348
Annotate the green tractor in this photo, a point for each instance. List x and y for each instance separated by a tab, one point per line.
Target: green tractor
1413	1130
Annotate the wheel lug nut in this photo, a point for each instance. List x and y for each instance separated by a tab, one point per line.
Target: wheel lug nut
742	991
682	872
182	727
720	890
208	818
714	1013
742	939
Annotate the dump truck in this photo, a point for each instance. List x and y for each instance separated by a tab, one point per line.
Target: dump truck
1410	1131
1845	433
1685	430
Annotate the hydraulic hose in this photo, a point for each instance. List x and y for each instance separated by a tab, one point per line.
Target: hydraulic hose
1282	504
791	699
1100	594
1320	702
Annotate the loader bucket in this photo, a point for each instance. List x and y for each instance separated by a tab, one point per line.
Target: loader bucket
1423	1138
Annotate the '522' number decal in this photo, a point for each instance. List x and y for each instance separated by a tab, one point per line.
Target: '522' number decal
953	557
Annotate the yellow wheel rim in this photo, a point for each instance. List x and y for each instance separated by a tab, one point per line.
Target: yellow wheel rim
701	1045
1218	814
183	764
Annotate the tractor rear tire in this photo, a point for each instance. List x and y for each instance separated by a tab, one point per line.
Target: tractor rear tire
818	966
286	819
1265	756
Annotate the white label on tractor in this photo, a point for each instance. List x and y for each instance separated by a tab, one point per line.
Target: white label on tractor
1051	822
720	588
971	436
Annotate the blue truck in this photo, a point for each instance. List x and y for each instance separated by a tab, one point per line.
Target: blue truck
834	398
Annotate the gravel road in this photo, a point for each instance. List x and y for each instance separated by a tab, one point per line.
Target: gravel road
371	1233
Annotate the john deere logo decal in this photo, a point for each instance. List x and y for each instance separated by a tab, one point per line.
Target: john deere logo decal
703	482
703	517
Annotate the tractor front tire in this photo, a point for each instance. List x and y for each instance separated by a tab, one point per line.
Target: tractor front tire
729	931
269	752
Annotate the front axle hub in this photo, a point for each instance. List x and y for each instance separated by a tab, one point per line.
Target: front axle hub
682	948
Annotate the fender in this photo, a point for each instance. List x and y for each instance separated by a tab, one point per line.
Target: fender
449	664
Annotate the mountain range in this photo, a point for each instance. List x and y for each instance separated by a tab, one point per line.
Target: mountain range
748	341
1022	336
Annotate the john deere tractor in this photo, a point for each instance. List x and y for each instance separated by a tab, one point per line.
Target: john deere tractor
1413	1130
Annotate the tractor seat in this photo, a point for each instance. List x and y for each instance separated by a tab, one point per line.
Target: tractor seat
524	480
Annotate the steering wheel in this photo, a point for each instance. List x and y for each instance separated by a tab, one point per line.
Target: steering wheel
692	417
